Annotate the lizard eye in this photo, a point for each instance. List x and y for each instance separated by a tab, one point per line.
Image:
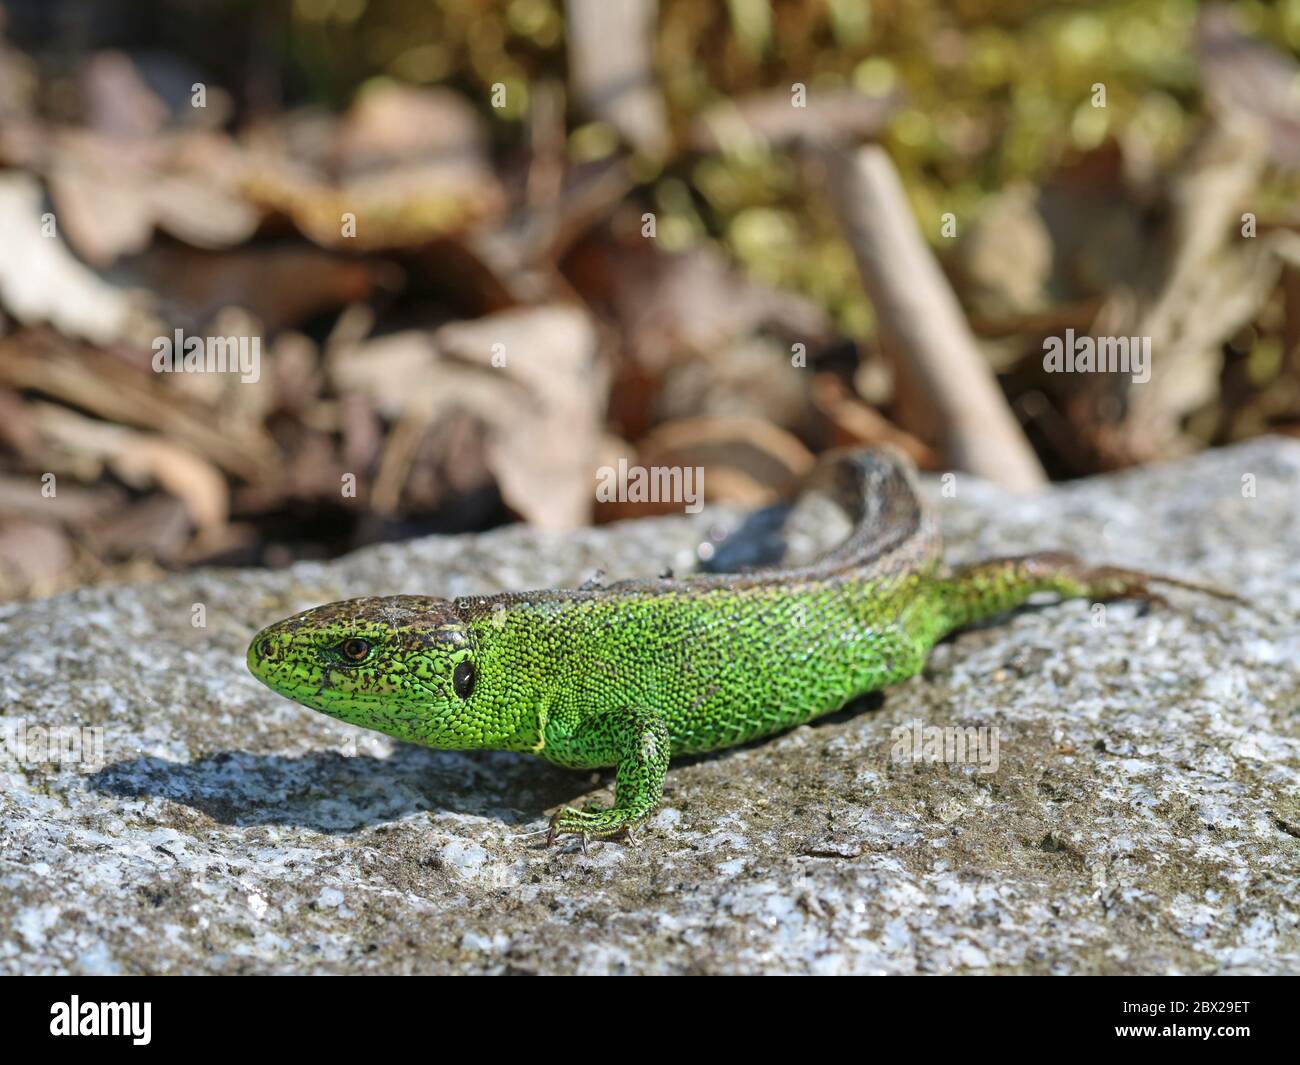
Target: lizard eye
462	679
354	649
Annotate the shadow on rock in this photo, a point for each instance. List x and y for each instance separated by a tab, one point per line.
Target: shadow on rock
328	792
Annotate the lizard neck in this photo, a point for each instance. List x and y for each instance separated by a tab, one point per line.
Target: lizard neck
515	659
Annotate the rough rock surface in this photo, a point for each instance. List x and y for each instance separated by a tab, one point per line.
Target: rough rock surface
1144	815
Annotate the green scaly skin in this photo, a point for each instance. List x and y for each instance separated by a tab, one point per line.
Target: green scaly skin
634	673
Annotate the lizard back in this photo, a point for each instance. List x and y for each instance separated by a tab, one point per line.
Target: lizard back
727	658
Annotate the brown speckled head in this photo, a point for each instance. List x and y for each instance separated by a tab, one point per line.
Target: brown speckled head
402	664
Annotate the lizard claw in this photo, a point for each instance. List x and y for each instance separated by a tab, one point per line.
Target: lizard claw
594	822
559	826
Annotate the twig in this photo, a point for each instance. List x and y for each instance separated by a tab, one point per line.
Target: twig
611	70
948	392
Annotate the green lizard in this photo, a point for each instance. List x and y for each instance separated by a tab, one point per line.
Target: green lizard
631	674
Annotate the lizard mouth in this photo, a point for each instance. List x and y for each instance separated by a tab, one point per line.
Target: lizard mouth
265	660
276	660
278	657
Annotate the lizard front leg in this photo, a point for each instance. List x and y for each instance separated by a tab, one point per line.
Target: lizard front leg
634	740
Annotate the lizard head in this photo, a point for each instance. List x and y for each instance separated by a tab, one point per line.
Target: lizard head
403	665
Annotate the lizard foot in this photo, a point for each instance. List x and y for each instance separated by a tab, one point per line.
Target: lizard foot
593	821
1115	582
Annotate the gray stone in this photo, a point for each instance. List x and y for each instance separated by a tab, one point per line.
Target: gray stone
1144	815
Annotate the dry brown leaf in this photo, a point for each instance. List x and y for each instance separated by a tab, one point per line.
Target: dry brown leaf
193	480
117	98
545	428
40	281
543	406
696	304
155	528
746	461
391	123
201	213
281	285
854	423
104	218
106	386
72	505
112	191
142	460
405	165
33	558
398	372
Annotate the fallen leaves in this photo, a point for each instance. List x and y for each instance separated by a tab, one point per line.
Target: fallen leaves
463	312
40	281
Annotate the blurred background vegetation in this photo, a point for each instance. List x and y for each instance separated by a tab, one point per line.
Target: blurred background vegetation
501	199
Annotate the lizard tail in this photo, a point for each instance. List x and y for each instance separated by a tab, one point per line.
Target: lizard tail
893	530
985	589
